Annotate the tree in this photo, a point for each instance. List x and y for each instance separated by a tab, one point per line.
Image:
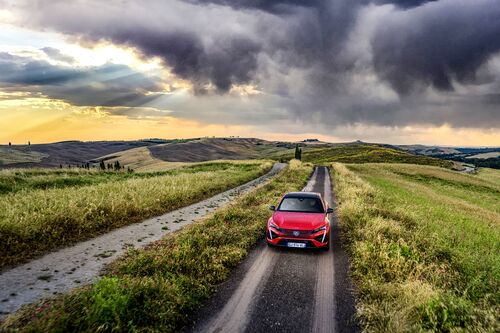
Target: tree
10	144
102	166
29	143
117	166
60	166
298	152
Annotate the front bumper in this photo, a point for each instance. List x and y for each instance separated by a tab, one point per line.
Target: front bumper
320	239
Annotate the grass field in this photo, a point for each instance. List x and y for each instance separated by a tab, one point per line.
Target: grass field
364	153
42	209
155	289
424	244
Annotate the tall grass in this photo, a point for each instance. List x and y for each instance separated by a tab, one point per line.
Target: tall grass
425	251
155	289
33	221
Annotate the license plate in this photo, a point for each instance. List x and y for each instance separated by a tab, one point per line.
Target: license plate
298	245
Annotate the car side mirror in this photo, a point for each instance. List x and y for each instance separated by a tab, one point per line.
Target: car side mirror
329	210
273	208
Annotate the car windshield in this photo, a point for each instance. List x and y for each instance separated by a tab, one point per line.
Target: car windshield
297	204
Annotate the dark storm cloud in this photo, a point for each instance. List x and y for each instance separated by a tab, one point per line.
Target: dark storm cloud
437	44
55	54
230	60
330	62
106	85
284	6
25	71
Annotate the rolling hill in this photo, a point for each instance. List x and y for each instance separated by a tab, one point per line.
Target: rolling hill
66	152
154	155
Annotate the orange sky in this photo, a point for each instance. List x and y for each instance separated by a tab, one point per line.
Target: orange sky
43	121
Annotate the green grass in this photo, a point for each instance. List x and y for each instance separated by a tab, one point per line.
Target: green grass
424	244
364	153
155	289
76	205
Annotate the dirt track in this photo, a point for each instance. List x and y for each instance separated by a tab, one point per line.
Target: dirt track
283	290
60	271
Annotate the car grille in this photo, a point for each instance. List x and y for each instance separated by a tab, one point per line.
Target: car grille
302	233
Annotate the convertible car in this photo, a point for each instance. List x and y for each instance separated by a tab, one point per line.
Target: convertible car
300	221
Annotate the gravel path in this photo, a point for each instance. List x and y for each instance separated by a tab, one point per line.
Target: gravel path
60	271
286	290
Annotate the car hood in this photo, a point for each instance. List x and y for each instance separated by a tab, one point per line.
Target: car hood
299	221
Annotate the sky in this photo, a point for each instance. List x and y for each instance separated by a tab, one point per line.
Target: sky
391	71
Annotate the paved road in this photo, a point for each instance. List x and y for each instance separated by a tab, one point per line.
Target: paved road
284	290
73	266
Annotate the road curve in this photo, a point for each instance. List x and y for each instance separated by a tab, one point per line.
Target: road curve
73	266
285	290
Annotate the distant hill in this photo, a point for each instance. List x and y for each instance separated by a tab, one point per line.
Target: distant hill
218	149
369	153
488	157
159	154
66	152
428	150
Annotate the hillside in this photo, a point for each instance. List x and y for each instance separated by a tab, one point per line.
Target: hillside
216	149
66	152
367	153
154	155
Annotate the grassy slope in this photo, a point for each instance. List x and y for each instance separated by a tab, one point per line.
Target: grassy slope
140	159
72	206
155	289
425	246
364	153
12	156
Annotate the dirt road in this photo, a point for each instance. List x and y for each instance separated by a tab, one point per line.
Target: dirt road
60	271
284	290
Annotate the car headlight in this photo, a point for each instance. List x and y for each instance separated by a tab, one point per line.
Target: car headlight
319	229
274	226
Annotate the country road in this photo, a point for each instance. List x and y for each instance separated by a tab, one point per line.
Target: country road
284	290
80	264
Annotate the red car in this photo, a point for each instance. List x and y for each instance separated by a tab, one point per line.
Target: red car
300	221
